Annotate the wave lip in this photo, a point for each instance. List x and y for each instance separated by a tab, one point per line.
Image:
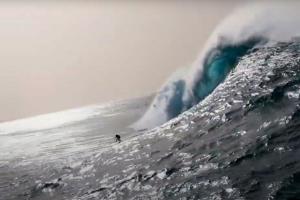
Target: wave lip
244	30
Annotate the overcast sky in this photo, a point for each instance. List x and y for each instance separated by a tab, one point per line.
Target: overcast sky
60	55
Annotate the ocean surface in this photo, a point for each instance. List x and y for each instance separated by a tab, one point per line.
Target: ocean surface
227	128
241	142
32	149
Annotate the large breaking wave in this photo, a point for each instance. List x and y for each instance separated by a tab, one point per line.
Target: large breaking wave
240	33
242	141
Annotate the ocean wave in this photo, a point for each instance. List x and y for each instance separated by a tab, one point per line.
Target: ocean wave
249	27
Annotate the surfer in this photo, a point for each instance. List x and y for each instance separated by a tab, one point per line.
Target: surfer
118	138
175	124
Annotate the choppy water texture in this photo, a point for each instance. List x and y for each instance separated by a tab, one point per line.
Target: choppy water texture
240	142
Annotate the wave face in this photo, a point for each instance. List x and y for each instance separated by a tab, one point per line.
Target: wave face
177	97
238	35
217	64
240	142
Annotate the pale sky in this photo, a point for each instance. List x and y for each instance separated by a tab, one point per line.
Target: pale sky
61	55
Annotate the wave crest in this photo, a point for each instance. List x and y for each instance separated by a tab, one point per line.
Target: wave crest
248	27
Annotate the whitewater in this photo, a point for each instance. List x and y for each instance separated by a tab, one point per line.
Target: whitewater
251	26
226	128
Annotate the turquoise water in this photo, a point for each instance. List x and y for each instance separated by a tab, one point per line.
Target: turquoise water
218	63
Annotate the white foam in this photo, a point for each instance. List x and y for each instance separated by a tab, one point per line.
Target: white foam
156	113
47	121
275	22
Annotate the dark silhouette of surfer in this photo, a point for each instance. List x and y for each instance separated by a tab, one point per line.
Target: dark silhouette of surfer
118	138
